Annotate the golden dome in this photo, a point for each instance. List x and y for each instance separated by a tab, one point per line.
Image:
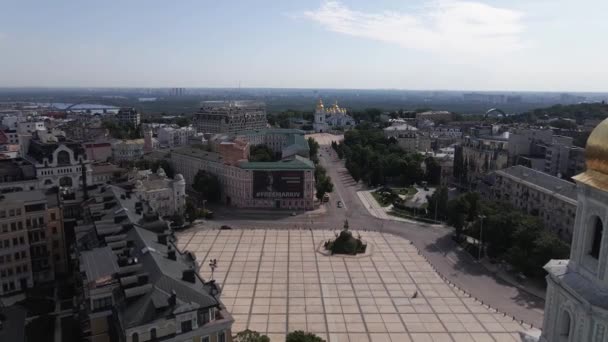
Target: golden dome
320	104
596	152
596	158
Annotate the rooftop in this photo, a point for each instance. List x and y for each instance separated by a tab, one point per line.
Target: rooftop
23	196
126	234
541	181
295	163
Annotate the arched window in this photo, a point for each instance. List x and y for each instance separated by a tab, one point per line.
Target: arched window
153	334
135	337
596	236
48	181
565	327
63	157
65	181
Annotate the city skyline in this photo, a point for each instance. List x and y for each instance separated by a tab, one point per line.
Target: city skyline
419	45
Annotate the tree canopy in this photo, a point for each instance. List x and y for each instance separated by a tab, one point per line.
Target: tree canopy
208	185
376	160
250	336
300	336
261	153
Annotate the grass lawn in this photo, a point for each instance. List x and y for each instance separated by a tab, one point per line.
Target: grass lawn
381	199
411	191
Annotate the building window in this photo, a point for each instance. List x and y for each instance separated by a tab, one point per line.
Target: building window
221	337
596	242
153	334
205	339
135	337
565	327
186	326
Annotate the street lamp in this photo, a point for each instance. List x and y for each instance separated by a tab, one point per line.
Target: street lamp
481	217
213	266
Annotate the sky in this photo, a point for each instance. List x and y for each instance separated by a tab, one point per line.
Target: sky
517	45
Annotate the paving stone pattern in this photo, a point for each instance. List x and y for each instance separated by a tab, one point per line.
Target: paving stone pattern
274	282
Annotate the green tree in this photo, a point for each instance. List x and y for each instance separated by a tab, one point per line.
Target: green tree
313	146
250	336
261	153
300	336
457	214
190	212
324	186
207	185
182	121
439	201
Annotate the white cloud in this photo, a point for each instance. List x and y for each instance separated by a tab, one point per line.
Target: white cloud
464	27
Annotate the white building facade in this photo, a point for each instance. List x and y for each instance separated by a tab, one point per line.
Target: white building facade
166	196
173	137
576	306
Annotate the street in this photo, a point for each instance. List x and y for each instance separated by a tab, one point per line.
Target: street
433	241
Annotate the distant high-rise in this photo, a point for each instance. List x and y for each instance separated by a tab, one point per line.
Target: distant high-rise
128	116
230	117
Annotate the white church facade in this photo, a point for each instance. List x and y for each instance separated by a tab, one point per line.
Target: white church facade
332	117
576	307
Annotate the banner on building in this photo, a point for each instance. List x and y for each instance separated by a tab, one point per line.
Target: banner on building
278	184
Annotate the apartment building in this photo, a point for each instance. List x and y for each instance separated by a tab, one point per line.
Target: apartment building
550	198
409	138
230	117
15	259
175	136
128	117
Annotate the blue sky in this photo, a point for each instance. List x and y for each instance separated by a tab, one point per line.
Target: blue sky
549	45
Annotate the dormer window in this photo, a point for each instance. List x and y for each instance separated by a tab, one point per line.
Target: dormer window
596	236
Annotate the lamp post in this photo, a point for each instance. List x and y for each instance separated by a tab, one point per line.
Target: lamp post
213	266
481	217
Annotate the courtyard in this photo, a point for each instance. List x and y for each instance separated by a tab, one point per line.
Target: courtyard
273	281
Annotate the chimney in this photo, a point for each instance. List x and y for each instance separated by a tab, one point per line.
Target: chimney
189	276
173	298
171	252
84	180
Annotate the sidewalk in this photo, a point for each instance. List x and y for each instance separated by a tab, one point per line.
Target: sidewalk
530	288
376	210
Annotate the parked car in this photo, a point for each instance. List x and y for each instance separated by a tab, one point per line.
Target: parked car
225	227
339	204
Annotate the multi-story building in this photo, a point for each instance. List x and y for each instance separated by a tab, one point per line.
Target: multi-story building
165	196
175	136
575	304
17	175
551	199
562	159
230	117
409	138
134	283
434	116
98	151
15	259
444	136
128	117
128	150
479	155
59	162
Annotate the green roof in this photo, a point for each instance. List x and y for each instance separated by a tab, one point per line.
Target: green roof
297	163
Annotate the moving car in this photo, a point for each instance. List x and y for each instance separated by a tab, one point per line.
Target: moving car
339	204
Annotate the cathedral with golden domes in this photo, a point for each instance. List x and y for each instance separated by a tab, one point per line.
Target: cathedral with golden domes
576	306
331	118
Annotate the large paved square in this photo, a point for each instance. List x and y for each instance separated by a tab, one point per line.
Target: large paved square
273	281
